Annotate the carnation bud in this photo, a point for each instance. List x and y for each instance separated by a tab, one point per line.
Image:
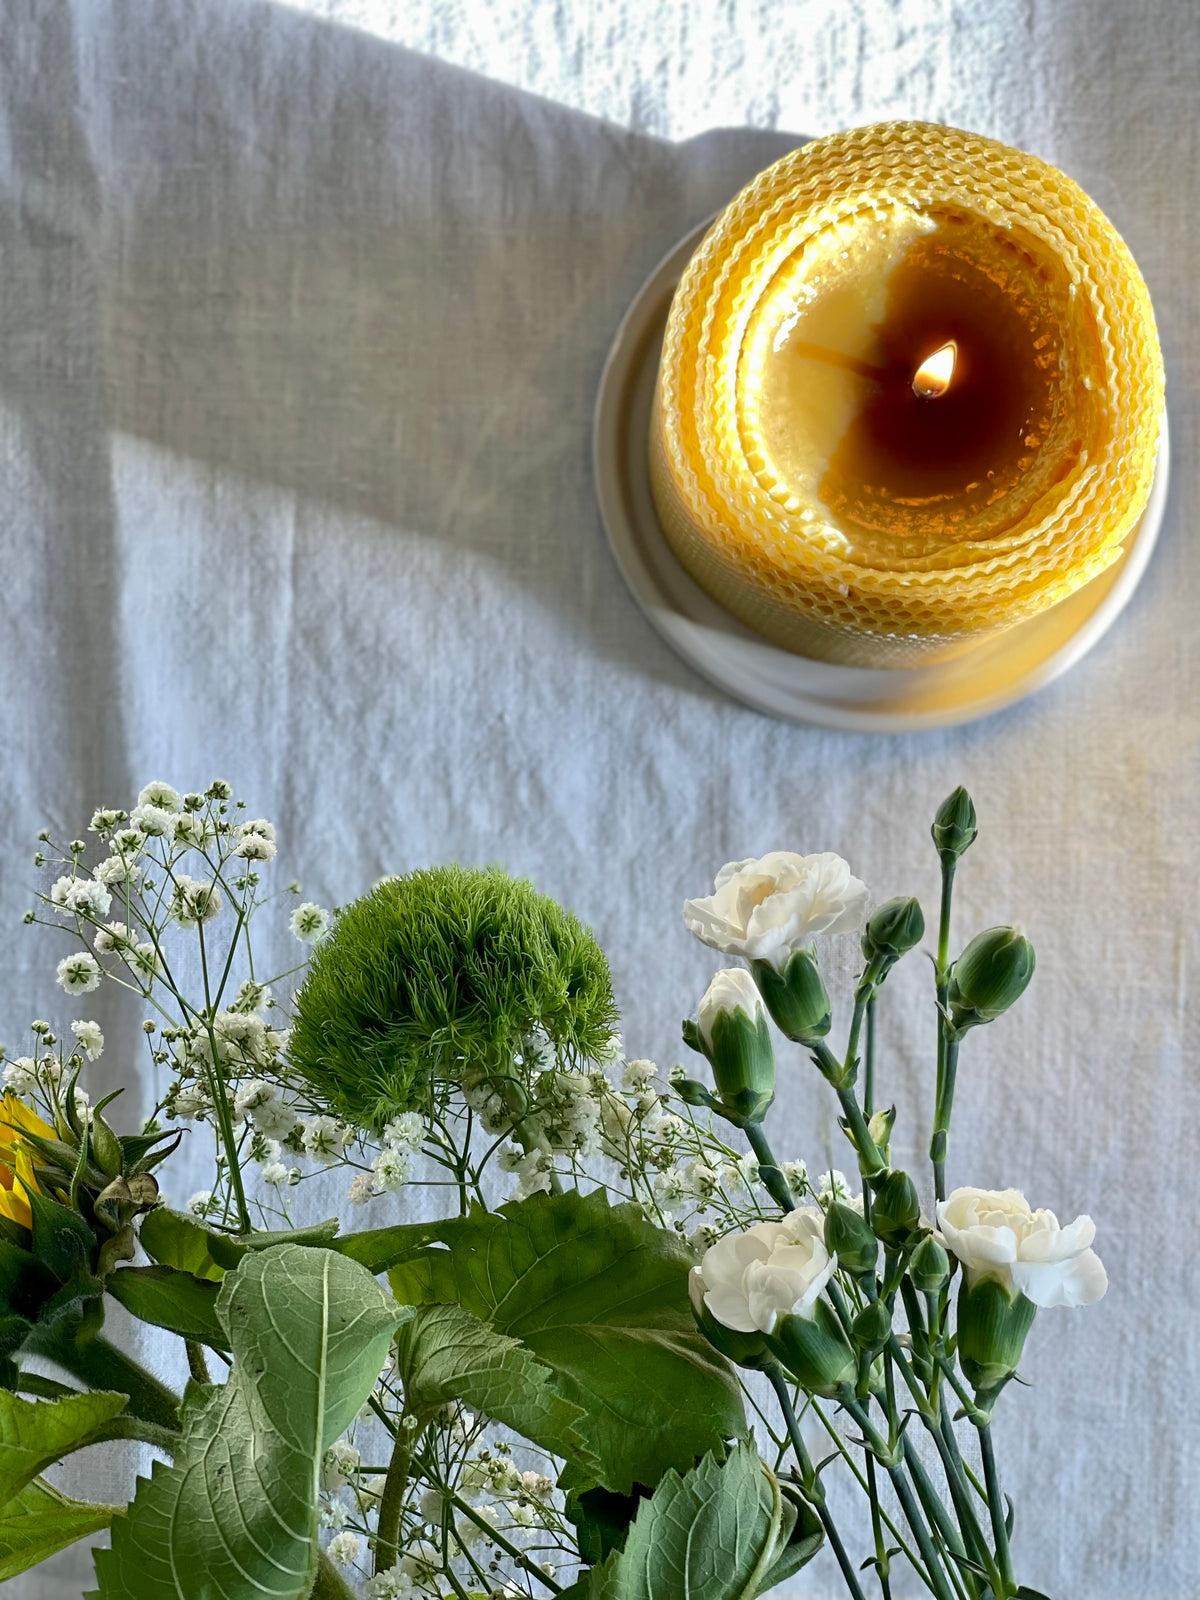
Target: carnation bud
692	1093
929	1266
880	1127
895	928
796	997
896	1209
849	1238
743	1349
871	1328
992	972
955	825
992	1325
737	1041
815	1352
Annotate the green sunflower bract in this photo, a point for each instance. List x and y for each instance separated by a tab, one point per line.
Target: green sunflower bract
438	972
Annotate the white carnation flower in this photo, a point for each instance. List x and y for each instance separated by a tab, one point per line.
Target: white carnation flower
79	974
995	1233
749	1280
765	909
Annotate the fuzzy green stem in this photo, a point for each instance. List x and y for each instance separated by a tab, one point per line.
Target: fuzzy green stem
100	1365
197	1365
329	1583
391	1502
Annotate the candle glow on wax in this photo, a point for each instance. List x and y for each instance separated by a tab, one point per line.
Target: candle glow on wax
932	377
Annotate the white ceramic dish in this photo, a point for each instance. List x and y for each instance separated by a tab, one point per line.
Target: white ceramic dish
996	673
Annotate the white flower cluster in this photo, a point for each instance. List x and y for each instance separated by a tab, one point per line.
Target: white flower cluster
392	1166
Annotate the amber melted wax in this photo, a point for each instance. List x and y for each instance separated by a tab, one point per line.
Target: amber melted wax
908	463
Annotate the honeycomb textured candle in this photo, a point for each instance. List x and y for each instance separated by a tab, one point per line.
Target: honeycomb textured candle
809	488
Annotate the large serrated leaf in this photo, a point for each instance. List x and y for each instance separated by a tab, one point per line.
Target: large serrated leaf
34	1433
444	1353
235	1516
713	1534
598	1295
38	1521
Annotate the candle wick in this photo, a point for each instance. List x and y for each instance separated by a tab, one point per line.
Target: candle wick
838	358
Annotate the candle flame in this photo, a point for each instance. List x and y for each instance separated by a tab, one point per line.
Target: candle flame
932	377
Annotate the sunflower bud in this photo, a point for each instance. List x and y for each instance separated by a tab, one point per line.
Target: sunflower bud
895	928
737	1041
992	1324
796	997
107	1147
993	971
849	1238
896	1208
955	825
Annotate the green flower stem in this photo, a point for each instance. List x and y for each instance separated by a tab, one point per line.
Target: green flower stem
881	1555
391	1502
869	1158
769	1169
996	1507
221	1100
935	1510
329	1584
100	1365
868	1094
956	1478
836	1439
814	1493
517	1554
937	1148
935	1578
940	1142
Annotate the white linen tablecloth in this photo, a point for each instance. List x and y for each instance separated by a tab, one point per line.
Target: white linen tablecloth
300	330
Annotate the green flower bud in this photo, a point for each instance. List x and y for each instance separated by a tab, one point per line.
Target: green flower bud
815	1352
896	927
736	1039
796	997
992	1325
871	1328
691	1092
743	1349
896	1209
848	1236
992	972
955	825
107	1147
880	1128
929	1266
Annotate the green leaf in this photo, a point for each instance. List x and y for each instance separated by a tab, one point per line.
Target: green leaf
62	1240
377	1249
236	1513
598	1295
601	1519
714	1534
444	1353
38	1521
174	1240
801	1541
34	1433
170	1299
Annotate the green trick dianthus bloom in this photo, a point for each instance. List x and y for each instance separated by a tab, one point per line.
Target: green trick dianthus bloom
437	973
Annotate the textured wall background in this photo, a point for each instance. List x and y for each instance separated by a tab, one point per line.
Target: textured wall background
300	328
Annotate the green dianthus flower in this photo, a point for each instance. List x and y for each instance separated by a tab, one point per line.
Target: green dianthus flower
437	973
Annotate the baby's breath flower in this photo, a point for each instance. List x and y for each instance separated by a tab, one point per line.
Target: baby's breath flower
795	1174
250	1096
156	822
106	818
114	871
127	841
90	1037
142	960
218	789
390	1167
391	1585
80	973
833	1186
339	1464
277	1175
470	1533
310	923
671	1190
333	1514
344	1548
324	1138
193	830
637	1075
405	1132
159	794
202	1203
256	840
20	1075
362	1189
273	1119
194	901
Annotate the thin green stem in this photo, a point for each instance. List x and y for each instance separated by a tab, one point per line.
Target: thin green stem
868	1095
510	1549
996	1508
813	1492
769	1169
940	1143
881	1555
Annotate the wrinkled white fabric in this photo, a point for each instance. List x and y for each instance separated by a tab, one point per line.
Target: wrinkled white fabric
300	330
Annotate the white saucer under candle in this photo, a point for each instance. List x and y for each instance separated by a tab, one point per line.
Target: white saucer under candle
996	673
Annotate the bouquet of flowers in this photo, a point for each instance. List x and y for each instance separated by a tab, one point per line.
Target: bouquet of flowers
616	1346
